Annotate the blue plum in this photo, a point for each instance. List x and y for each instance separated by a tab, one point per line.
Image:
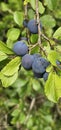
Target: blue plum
33	27
58	63
36	55
44	62
20	48
25	22
27	61
45	76
39	65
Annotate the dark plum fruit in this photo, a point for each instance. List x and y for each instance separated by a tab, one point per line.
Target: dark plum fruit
45	76
58	63
36	55
44	62
33	27
20	48
39	65
27	61
25	22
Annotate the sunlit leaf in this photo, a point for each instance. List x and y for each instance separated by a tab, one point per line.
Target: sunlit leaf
53	87
5	49
12	67
18	17
3	56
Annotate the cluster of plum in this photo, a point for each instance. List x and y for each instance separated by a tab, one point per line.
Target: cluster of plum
35	62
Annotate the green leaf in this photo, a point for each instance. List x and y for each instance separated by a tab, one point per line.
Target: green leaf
31	13
51	4
30	123
34	38
3	56
22	118
48	3
57	33
48	31
18	17
58	13
5	49
9	43
53	56
15	113
26	1
48	21
8	81
12	67
49	68
14	120
13	33
36	85
11	102
53	87
20	81
4	7
41	8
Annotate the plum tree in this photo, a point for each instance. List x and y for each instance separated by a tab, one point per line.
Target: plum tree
33	27
20	48
27	61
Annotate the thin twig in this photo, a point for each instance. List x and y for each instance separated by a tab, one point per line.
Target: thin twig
32	104
25	8
46	38
33	46
38	21
30	109
39	31
56	40
26	18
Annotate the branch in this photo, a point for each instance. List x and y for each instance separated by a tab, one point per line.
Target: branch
26	17
46	38
38	21
25	8
30	109
39	31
